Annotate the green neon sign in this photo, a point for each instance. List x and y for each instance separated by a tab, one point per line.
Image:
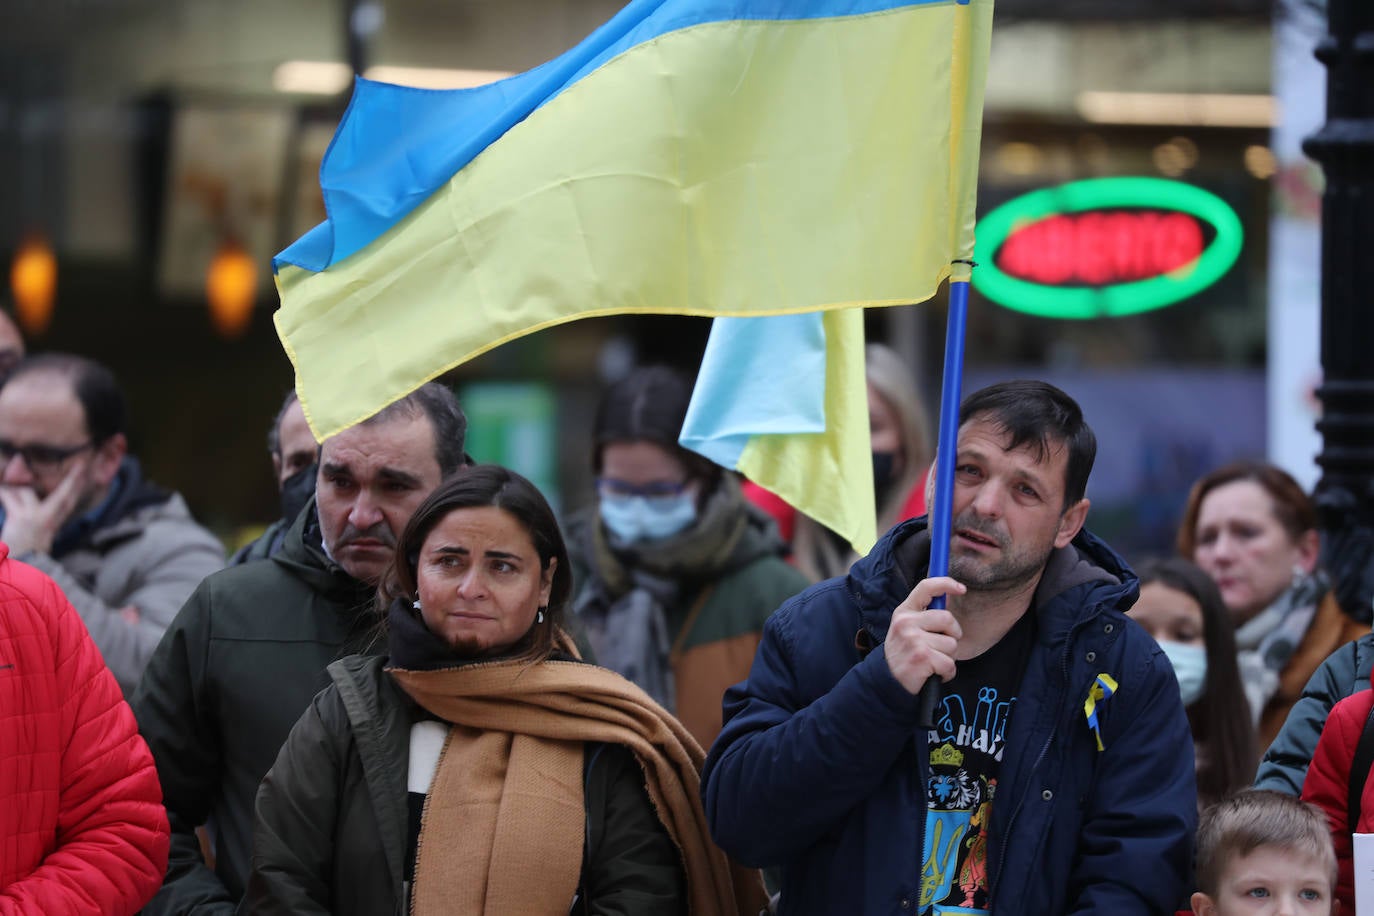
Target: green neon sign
1109	299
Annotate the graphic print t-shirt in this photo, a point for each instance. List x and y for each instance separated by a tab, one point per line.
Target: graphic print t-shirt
966	747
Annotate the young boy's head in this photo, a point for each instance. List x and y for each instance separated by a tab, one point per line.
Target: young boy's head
1264	852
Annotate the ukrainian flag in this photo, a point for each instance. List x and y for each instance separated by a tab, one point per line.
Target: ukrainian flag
692	157
784	401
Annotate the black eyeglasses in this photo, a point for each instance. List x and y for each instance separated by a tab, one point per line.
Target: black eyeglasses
40	457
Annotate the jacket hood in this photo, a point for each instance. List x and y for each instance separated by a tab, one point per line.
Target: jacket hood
302	553
1080	580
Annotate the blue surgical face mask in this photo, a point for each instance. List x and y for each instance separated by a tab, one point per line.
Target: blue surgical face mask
1190	667
637	518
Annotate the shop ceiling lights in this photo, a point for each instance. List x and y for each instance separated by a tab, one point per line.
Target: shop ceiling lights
1188	109
321	77
433	78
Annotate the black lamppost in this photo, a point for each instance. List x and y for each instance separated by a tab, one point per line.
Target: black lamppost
1345	148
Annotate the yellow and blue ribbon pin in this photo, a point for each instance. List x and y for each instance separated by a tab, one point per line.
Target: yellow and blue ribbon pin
1104	686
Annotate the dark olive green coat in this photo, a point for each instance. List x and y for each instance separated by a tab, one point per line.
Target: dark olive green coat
235	670
332	821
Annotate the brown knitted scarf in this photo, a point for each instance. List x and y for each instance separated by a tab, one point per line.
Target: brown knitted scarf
503	828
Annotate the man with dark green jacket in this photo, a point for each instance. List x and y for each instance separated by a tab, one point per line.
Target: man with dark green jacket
248	651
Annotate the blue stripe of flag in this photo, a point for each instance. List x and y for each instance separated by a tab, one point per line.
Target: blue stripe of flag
397	145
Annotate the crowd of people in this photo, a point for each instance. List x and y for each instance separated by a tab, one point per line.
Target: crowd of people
419	692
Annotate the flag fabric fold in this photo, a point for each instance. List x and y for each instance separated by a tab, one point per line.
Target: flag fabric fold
784	400
757	377
695	157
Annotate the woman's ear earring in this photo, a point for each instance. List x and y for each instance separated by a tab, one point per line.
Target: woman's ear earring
416	604
539	617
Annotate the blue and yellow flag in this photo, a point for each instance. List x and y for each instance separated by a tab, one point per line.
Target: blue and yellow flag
693	157
784	401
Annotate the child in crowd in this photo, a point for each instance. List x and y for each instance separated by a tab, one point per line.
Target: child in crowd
1263	852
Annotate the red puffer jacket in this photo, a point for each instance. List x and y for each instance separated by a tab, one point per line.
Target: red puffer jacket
82	827
1328	785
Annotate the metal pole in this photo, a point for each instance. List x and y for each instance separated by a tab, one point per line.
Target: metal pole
1345	148
946	446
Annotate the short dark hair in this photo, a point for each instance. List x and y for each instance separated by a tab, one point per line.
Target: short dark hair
438	404
1292	506
1220	719
274	433
481	486
1039	415
95	388
649	405
1257	818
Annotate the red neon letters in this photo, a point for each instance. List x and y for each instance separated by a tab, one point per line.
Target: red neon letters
1101	247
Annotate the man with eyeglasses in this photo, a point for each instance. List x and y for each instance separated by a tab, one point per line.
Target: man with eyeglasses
125	552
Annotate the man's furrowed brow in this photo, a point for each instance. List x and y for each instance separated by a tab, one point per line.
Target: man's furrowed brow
398	476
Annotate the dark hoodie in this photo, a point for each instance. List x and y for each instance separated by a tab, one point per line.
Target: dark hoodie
234	672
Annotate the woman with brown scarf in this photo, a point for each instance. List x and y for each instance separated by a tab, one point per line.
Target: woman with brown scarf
483	769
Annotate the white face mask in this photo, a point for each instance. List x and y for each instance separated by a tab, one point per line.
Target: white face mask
1190	667
637	518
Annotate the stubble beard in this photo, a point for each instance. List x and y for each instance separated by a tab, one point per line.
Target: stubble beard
1007	574
90	497
1012	570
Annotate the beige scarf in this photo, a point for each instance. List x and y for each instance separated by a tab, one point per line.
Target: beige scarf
503	824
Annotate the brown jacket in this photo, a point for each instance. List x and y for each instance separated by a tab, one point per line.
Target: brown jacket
1330	629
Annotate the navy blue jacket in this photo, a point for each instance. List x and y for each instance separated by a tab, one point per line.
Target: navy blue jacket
817	770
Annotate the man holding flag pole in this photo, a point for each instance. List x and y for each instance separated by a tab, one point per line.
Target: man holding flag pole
1057	775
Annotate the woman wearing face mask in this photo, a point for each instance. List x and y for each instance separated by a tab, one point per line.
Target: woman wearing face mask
1181	608
482	768
1250	526
902	452
676	572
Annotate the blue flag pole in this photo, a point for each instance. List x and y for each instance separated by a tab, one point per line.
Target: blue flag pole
947	443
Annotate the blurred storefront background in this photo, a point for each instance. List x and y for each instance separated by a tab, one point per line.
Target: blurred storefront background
164	151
